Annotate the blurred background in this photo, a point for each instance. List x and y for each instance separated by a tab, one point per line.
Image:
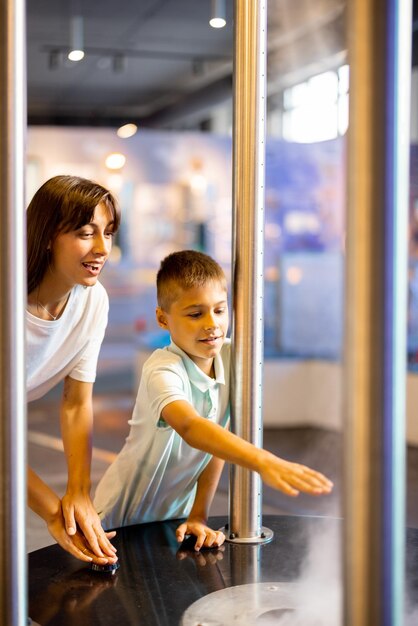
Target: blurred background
138	96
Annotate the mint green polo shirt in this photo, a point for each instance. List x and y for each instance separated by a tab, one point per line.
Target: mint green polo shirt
154	476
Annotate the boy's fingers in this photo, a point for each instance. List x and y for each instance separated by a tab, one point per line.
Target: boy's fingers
201	538
284	486
310	487
180	532
220	538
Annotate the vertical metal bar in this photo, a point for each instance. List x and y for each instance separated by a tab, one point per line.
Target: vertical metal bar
248	235
379	35
13	603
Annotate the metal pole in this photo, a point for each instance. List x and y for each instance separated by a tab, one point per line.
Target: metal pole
13	603
248	234
379	34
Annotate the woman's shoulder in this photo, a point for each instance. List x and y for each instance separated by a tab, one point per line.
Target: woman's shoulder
90	304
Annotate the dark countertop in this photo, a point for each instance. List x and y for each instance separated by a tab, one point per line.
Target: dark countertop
159	579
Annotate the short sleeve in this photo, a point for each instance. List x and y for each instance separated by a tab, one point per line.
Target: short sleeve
96	322
165	385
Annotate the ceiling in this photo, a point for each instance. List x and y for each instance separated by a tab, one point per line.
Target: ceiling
158	62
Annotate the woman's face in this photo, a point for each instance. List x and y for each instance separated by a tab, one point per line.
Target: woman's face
78	256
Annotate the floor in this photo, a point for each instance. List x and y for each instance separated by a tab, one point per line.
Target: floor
113	403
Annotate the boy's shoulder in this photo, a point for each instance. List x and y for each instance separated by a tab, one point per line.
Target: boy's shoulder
163	357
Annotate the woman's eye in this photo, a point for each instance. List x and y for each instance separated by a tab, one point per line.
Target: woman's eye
85	234
109	234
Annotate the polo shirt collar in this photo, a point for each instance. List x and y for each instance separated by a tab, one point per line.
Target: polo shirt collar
198	378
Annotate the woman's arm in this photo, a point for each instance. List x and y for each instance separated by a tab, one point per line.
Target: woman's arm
77	429
196	523
43	501
200	433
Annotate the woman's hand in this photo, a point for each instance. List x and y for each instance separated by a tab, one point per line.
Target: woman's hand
292	478
81	520
75	544
205	536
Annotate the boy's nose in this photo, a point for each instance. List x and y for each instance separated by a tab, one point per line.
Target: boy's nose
210	322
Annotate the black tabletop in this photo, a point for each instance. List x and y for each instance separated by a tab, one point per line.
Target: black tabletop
159	579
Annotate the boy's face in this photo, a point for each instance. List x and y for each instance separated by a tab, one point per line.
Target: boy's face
198	322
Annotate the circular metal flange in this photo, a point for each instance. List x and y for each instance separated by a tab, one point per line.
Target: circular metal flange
256	604
265	536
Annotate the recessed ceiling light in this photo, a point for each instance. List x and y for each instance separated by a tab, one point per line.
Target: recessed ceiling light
115	161
127	130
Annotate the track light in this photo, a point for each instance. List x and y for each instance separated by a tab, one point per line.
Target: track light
218	19
76	39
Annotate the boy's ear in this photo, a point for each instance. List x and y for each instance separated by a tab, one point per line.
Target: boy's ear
161	319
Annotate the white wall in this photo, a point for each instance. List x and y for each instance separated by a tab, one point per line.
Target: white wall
309	393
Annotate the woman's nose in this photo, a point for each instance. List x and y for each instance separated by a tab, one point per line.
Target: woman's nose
102	245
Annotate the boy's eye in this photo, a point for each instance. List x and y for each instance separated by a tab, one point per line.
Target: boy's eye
85	233
109	233
219	311
194	315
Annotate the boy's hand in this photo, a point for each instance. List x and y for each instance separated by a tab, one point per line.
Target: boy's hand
205	536
291	478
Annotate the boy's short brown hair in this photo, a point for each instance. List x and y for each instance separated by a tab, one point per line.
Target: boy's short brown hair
184	270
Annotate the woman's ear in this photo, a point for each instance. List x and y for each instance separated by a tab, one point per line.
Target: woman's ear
161	318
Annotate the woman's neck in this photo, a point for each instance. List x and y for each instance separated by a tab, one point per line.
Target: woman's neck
47	304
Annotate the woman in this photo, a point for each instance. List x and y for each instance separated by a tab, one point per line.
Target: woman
70	225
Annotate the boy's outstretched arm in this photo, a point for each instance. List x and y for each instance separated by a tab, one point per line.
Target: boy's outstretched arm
196	523
198	432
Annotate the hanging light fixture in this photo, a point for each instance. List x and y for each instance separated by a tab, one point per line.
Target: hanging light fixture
76	38
218	18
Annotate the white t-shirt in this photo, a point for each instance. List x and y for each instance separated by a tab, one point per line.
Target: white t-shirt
69	345
154	476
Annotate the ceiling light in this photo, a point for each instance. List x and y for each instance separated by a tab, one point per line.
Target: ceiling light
115	161
218	18
127	130
76	39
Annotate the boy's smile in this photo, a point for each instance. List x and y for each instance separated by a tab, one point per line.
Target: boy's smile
198	322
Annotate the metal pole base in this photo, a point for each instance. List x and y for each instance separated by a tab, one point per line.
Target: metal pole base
265	536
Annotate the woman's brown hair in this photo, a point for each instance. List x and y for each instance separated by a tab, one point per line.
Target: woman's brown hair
62	204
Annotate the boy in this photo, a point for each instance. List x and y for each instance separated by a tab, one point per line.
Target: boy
170	465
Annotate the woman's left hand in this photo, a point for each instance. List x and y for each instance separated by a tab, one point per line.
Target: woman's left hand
80	514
